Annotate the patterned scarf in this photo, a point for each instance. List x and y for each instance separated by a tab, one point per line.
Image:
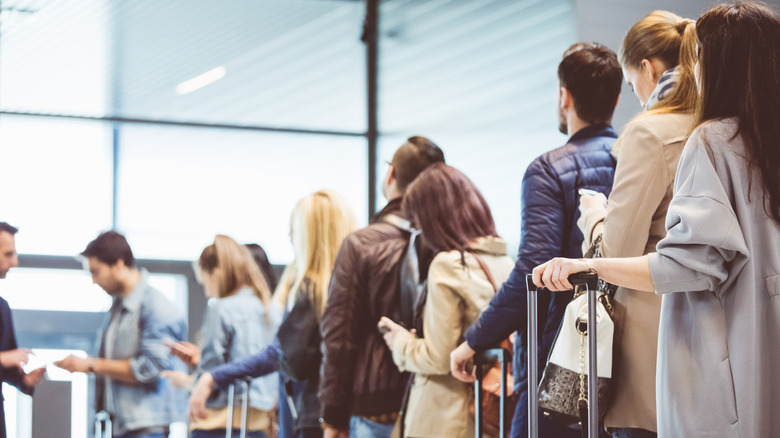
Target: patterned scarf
663	88
666	84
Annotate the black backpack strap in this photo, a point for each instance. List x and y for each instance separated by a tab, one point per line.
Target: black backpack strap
409	280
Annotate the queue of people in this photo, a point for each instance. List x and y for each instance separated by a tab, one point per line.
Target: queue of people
372	332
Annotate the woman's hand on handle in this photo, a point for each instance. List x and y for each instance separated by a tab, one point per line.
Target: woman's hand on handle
199	395
632	272
459	361
554	275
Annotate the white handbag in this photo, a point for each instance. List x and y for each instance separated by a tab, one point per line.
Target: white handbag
564	383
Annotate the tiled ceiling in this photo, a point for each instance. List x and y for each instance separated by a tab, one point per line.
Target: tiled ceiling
294	63
288	63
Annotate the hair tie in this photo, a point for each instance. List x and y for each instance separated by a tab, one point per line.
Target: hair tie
682	25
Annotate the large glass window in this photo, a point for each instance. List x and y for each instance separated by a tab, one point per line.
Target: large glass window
57	182
179	187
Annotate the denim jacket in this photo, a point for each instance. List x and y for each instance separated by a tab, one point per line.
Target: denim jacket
237	327
143	319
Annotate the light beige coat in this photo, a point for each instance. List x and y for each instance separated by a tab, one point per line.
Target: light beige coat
647	152
439	403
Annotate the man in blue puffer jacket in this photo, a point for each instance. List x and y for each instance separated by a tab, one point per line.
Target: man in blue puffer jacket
590	79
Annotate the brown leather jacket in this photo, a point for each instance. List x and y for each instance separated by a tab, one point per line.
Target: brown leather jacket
358	376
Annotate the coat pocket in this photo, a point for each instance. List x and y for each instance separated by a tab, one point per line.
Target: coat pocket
728	394
773	285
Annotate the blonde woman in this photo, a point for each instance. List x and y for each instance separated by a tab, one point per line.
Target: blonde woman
658	58
240	322
319	224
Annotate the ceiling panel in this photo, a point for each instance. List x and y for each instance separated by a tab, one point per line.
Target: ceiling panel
295	63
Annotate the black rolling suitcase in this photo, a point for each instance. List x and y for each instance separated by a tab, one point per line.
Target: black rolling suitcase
590	281
482	360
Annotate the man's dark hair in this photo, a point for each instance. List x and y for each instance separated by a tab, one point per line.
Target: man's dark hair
110	247
593	76
413	157
8	228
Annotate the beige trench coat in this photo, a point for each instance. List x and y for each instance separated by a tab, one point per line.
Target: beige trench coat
438	403
647	152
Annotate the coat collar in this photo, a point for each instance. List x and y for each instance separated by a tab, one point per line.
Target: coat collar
591	131
393	207
489	245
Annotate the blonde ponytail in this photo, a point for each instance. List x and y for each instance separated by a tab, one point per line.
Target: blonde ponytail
685	94
672	40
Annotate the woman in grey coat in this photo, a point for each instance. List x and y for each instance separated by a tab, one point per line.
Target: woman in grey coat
718	268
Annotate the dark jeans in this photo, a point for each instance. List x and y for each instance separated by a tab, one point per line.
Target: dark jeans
309	432
625	432
220	433
547	427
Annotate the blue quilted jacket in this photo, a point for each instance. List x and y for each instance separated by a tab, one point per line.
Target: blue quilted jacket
548	229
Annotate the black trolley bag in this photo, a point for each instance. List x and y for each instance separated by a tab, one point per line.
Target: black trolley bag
246	383
590	281
482	360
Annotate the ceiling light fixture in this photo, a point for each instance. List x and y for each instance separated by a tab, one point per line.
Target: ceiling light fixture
201	81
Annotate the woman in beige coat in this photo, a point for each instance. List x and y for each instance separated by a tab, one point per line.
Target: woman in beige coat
456	222
658	57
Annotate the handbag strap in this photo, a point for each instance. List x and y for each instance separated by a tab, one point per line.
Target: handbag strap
485	269
594	252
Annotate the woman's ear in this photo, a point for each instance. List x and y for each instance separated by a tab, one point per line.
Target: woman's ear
653	68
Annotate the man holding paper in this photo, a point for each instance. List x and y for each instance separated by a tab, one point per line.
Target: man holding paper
131	354
11	357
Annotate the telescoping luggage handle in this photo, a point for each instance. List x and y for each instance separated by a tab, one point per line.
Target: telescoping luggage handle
590	281
485	358
244	404
102	418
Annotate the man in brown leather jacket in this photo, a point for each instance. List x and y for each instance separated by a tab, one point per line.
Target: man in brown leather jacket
361	388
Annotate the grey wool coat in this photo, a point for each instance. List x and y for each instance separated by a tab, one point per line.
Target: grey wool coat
718	269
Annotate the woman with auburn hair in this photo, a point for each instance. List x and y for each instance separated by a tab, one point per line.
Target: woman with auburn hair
319	224
471	262
717	268
658	57
238	323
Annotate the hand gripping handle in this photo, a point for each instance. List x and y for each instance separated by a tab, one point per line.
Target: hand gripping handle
589	279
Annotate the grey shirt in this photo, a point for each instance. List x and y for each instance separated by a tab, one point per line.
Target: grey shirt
717	349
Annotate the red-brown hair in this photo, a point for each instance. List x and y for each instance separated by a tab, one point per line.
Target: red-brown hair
448	209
